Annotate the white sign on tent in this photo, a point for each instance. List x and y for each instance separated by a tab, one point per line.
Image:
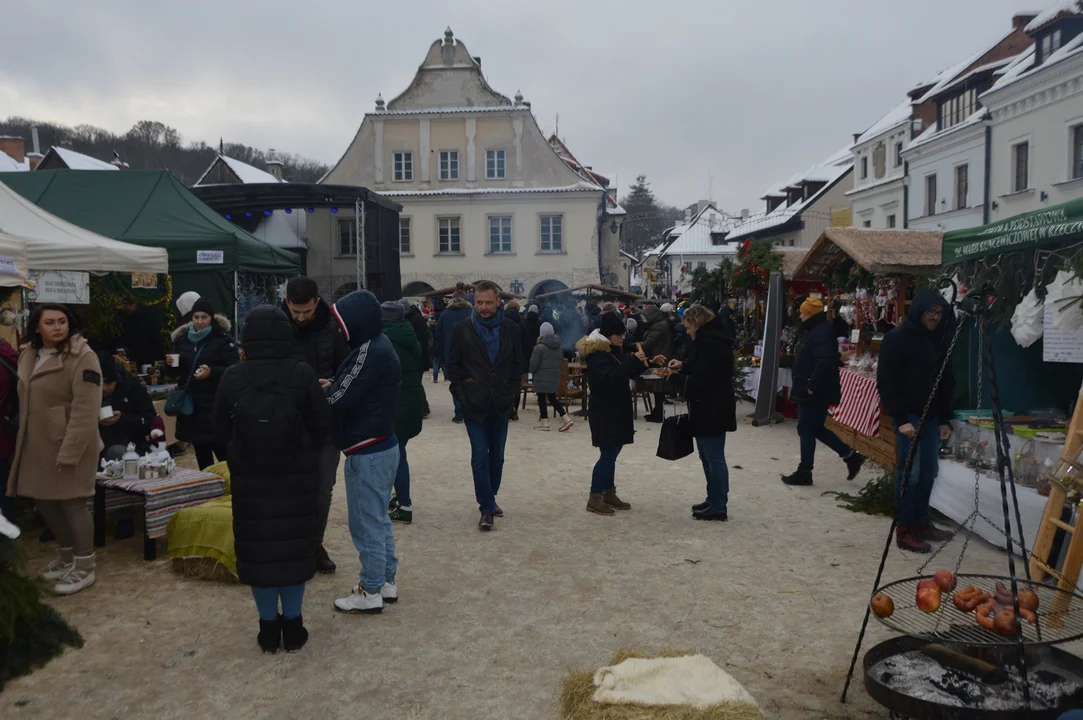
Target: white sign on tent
60	286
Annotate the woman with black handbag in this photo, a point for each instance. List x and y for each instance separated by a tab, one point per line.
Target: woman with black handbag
202	350
712	406
609	376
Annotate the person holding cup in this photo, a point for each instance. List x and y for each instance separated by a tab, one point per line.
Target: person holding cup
202	350
127	410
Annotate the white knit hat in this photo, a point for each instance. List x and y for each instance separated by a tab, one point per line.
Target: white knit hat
666	307
186	301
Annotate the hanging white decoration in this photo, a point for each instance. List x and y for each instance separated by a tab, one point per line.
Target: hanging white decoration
1028	320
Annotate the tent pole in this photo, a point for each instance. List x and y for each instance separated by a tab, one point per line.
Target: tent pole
236	300
359	214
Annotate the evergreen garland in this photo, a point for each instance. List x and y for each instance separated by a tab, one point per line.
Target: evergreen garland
31	632
110	292
876	498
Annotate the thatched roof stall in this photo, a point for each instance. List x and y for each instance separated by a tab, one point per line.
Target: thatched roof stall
882	252
791	260
599	291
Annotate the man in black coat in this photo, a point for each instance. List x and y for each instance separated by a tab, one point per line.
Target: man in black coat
816	387
274	474
457	310
424	338
531	330
133	410
512	312
485	367
911	357
318	342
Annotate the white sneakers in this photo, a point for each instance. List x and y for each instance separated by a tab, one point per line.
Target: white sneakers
566	423
60	566
80	576
543	424
361	602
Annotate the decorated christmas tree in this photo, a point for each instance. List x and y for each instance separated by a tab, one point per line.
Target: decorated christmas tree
31	632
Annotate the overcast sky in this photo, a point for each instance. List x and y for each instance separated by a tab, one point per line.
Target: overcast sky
752	91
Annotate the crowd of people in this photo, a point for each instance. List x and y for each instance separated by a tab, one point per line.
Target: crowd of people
320	382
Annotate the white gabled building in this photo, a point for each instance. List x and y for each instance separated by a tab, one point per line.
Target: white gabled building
701	244
879	170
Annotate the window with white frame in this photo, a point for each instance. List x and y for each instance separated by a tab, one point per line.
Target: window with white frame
500	234
930	194
701	265
1021	167
494	165
962	186
449	164
403	167
404	236
552	233
347	236
448	235
898	154
864	167
891	221
1077	152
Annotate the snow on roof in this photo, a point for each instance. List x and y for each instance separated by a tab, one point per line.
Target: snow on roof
774	191
579	186
696	239
79	161
630	256
1051	13
9	164
948	74
247	173
897	116
1024	64
933	133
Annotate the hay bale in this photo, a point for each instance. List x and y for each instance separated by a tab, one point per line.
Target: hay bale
576	701
201	568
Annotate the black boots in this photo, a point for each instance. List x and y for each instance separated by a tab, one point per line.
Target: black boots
803	476
294	635
853	464
270	635
324	564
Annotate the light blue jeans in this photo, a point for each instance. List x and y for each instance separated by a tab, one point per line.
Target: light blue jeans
369	480
712	455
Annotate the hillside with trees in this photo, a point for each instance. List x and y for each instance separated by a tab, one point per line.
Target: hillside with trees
151	145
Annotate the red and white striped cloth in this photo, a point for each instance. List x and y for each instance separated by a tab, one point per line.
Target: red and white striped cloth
860	406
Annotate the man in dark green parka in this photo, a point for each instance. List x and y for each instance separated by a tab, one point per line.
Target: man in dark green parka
411	405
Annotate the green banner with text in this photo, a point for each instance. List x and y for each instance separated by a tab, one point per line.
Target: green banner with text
1057	224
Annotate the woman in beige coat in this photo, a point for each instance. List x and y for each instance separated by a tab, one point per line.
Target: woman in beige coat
56	454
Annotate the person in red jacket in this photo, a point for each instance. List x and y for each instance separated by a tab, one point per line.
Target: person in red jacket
9	389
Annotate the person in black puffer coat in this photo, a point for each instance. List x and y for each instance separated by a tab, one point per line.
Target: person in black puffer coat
712	407
512	312
816	387
274	480
531	330
612	426
424	338
457	310
208	336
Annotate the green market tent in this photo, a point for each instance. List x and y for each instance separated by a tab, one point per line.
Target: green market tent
152	208
1056	224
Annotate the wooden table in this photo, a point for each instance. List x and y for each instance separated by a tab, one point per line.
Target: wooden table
160	498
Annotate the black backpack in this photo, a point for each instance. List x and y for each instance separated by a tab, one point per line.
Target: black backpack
9	416
268	430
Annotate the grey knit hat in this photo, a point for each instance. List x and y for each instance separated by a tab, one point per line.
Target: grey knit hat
532	309
391	311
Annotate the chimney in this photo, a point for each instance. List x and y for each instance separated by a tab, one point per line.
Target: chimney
1020	22
13	147
35	159
857	136
275	168
745	214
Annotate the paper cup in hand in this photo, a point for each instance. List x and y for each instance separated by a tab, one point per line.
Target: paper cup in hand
173	360
105	413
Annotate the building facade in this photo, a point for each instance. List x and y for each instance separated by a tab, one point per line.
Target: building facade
484	194
879	171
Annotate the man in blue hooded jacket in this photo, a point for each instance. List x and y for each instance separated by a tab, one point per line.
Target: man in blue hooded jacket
363	399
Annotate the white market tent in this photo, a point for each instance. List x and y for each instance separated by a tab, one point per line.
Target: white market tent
55	244
14	269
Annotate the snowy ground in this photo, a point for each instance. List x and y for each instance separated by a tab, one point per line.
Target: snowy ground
488	624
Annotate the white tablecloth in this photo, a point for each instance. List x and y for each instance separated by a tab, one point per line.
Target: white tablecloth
752	380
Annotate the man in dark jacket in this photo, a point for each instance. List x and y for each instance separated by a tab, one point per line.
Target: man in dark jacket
318	342
133	410
911	357
421	331
271	413
363	399
816	387
141	334
485	367
511	312
531	330
657	342
457	310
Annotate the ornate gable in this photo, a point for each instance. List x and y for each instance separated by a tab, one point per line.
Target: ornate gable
449	77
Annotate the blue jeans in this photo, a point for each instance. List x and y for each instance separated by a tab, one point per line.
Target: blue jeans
914	507
369	479
435	368
604	476
811	417
712	453
267	601
402	478
487	439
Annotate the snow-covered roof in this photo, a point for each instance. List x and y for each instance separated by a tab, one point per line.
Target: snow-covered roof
613	207
1051	13
9	164
656	250
453	110
630	256
1024	63
696	239
79	161
934	133
579	186
247	174
897	116
941	79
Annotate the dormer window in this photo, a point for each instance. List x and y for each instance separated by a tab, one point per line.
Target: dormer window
773	203
955	109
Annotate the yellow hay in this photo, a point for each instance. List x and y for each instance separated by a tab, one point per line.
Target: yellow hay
199	568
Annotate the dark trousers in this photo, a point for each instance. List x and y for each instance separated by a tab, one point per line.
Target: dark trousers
604	476
549	399
329	459
487	439
207	452
659	403
811	417
914	508
402	477
7	504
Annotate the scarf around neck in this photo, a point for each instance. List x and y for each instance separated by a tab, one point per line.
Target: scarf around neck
198	336
488	330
